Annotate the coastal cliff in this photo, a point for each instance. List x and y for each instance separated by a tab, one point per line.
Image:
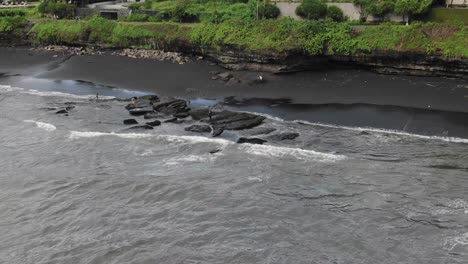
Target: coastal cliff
341	49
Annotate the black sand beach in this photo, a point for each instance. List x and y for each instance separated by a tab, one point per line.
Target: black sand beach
339	96
194	80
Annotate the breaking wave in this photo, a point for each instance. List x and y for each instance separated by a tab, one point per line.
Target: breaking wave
387	131
42	125
304	154
9	88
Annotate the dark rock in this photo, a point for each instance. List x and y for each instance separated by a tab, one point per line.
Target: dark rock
68	108
216	131
130	122
141	127
215	72
285	136
257	141
181	115
198	128
227	120
170	106
154	123
199	114
225	76
364	133
63	111
151	98
172	120
140	111
235	121
153	115
215	151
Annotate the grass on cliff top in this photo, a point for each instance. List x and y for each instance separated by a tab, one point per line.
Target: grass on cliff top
264	36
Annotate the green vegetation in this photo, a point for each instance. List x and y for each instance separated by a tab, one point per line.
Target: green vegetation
56	8
442	15
235	25
312	9
212	11
263	36
11	12
12	24
380	8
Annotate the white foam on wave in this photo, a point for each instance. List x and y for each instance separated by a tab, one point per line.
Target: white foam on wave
451	242
169	138
42	125
87	134
303	154
190	158
195	139
9	88
387	131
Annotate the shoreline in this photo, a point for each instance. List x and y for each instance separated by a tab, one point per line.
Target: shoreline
198	79
342	97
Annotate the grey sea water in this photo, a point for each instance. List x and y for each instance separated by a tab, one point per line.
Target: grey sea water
82	189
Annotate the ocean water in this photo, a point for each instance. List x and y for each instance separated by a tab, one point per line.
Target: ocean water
83	189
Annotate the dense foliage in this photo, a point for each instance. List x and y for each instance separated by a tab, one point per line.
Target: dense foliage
9	24
380	8
56	8
263	36
11	12
312	9
213	11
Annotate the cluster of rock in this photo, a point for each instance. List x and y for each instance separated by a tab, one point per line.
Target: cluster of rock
200	120
77	51
230	79
152	54
131	53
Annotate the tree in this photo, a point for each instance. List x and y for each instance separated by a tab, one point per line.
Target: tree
407	8
335	14
312	9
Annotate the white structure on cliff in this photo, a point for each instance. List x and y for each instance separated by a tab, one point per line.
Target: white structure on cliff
456	3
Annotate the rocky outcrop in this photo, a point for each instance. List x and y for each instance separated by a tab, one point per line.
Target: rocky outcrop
199	128
130	122
257	141
284	136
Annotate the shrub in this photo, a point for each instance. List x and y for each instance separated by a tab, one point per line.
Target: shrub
268	11
335	14
312	9
12	23
100	29
58	9
11	13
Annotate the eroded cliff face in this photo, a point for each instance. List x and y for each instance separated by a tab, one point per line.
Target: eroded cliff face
407	63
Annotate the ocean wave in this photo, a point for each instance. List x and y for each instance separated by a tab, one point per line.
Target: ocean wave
169	138
303	154
195	139
9	88
190	158
78	134
387	131
42	125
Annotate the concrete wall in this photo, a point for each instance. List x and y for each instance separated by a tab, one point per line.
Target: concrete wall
456	2
288	9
